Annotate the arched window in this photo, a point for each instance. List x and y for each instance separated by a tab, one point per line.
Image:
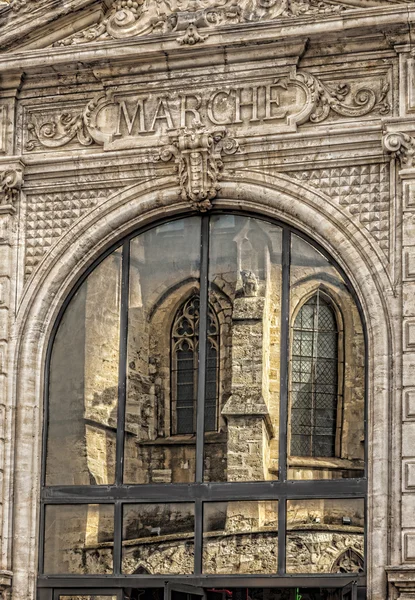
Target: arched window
184	328
184	368
314	379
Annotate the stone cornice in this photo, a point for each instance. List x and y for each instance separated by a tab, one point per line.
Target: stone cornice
237	36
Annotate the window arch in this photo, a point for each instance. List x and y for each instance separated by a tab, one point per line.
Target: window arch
184	363
315	378
236	508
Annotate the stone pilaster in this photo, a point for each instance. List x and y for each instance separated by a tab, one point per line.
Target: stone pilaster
402	578
11	179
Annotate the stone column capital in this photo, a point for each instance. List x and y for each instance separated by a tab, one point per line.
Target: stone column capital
402	145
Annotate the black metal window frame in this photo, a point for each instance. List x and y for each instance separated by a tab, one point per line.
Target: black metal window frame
199	492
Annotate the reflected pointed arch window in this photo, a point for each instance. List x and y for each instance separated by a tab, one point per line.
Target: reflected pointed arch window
184	368
314	379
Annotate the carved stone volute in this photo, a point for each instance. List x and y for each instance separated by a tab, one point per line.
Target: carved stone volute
197	152
402	146
11	180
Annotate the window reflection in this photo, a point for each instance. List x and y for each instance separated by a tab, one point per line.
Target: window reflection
325	536
240	537
164	279
83	384
326	394
158	539
79	539
245	291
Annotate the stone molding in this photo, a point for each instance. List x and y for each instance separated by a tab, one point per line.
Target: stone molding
401	582
402	146
197	153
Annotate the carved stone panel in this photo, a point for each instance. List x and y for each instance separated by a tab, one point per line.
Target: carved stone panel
50	214
363	190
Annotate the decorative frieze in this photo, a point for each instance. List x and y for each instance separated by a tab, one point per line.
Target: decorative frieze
197	152
128	18
403	146
264	106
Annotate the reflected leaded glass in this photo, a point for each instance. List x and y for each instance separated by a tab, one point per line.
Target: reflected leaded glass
314	379
185	349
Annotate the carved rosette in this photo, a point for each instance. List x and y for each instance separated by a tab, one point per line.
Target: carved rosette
402	146
11	180
197	153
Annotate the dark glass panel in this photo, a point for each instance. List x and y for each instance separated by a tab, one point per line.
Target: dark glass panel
162	332
158	539
79	539
325	536
245	293
326	389
240	537
83	383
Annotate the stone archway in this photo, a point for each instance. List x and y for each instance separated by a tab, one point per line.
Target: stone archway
272	196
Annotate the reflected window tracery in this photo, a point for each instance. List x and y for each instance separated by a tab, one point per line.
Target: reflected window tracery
314	375
185	352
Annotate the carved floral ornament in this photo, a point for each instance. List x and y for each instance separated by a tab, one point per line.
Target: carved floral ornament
135	18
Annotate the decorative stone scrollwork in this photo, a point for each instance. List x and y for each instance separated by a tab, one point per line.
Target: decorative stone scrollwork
403	146
64	128
197	153
326	98
11	181
134	18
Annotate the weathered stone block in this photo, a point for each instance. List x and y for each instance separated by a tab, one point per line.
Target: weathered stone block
408	439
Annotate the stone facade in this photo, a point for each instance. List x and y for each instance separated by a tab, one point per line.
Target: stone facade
114	114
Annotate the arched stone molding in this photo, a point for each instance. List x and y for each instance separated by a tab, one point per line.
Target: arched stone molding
273	196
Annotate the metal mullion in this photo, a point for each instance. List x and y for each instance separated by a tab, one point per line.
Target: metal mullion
203	327
284	363
42	520
182	492
117	537
122	365
85	585
282	532
285	341
198	547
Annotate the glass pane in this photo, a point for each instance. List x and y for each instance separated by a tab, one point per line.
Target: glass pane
242	404
240	537
83	382
163	350
79	539
158	539
326	391
325	536
87	597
